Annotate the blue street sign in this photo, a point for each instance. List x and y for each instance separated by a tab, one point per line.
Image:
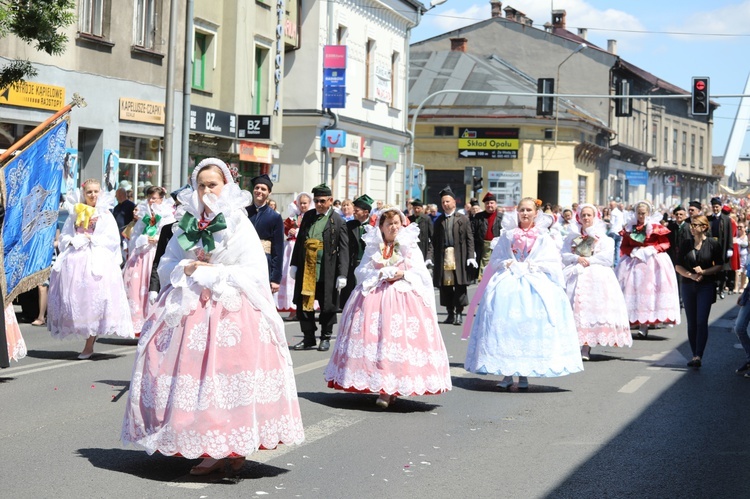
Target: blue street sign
636	178
333	139
334	97
334	77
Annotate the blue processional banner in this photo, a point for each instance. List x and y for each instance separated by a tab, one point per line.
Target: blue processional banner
31	184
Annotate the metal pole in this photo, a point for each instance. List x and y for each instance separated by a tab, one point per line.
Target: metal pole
557	83
187	88
167	165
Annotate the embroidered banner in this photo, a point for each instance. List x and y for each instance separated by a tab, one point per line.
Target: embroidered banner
31	184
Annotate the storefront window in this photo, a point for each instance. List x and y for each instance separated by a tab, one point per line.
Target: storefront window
248	171
140	164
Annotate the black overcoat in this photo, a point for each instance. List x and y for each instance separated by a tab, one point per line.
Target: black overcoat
335	262
463	240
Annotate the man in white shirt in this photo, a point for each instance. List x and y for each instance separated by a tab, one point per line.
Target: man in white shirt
616	221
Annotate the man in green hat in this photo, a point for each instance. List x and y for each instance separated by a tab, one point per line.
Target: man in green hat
356	229
424	222
319	264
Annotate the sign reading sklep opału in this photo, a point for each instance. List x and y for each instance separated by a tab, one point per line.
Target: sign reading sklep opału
488	143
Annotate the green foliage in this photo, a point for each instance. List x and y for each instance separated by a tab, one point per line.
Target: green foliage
34	21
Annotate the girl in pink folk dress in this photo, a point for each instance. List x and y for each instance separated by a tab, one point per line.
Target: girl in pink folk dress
86	293
389	341
16	345
141	250
646	273
595	295
285	296
213	377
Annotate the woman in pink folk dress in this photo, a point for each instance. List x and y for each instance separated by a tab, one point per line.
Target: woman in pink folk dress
389	341
285	296
16	345
646	273
86	293
141	250
213	377
595	295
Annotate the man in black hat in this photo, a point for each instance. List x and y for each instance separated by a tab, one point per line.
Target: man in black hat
453	249
487	227
721	230
424	222
270	228
355	229
679	231
319	264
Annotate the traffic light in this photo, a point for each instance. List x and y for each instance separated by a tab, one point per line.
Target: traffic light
476	184
699	96
623	106
545	105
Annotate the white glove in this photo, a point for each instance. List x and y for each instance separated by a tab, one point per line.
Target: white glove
388	272
647	252
205	276
428	263
519	269
730	253
79	241
340	283
152	297
472	263
292	271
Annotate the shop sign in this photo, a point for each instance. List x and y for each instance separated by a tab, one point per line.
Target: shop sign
255	152
332	139
142	111
636	178
213	122
383	84
488	143
383	151
35	95
253	127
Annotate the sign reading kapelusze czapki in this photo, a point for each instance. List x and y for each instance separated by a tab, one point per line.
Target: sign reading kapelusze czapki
253	127
488	143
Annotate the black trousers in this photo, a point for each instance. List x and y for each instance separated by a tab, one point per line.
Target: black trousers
454	298
326	319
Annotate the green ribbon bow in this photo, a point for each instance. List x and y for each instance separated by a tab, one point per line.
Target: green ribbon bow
638	235
152	225
192	233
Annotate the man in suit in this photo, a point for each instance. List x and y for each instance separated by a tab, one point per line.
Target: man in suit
487	226
355	230
270	228
320	264
453	249
721	230
424	222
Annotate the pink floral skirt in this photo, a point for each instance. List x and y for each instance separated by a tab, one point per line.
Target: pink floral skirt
16	345
650	289
389	342
137	277
217	381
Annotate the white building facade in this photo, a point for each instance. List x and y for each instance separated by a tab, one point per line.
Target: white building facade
376	35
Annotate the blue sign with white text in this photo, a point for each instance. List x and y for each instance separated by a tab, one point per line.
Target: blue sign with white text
637	178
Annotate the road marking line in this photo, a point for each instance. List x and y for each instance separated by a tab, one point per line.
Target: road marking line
634	384
322	429
61	363
310	367
313	433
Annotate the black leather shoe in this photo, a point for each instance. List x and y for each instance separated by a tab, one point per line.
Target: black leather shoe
450	319
303	345
324	345
459	320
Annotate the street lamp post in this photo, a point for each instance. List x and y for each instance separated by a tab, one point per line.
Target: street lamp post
557	82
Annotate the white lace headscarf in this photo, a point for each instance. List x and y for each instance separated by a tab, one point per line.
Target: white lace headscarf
231	197
598	228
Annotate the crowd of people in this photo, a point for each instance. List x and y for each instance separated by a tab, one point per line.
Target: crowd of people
202	275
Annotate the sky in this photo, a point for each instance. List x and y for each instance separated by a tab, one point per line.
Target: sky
674	40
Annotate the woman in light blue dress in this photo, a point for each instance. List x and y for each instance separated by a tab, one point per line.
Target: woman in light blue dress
524	324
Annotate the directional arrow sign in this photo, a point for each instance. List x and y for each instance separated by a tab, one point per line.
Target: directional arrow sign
465	154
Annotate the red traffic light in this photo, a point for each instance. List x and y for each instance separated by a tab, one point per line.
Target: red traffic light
700	85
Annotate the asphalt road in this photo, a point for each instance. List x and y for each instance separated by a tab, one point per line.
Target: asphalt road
636	423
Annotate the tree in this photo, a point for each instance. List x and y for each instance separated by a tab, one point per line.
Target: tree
34	21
